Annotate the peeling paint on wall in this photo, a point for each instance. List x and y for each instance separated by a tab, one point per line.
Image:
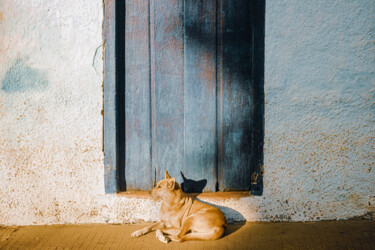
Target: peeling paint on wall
97	61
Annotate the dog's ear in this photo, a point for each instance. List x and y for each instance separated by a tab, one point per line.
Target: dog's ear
171	183
167	176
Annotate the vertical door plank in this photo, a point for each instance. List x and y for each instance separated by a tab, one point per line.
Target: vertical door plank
257	96
234	102
110	142
152	93
169	88
138	173
200	91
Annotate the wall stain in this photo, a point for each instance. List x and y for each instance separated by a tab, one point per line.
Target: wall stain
22	78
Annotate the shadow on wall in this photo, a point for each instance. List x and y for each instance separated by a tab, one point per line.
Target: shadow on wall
22	78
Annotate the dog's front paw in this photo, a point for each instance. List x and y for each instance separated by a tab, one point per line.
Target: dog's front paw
175	238
162	237
137	233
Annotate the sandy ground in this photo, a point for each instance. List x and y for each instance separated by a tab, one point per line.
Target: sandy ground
358	234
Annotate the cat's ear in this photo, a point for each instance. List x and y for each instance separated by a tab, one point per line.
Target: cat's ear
183	176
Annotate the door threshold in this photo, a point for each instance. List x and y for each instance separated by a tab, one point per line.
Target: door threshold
210	196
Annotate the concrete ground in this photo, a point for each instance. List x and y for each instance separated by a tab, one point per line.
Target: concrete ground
356	234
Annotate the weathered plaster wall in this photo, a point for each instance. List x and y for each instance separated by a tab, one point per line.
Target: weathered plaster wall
50	110
320	111
320	108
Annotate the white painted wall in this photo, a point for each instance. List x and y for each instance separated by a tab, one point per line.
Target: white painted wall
320	111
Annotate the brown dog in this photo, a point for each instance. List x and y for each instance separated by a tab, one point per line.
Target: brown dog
181	217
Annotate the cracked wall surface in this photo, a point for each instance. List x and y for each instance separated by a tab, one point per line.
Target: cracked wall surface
319	115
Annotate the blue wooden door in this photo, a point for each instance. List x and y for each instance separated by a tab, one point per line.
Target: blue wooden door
190	94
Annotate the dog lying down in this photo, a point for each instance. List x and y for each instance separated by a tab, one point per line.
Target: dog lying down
183	218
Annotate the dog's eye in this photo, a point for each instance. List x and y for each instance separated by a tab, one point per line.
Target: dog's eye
158	186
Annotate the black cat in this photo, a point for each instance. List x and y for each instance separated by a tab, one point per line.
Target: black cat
192	186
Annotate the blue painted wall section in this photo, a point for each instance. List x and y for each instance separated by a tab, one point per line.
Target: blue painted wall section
320	105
